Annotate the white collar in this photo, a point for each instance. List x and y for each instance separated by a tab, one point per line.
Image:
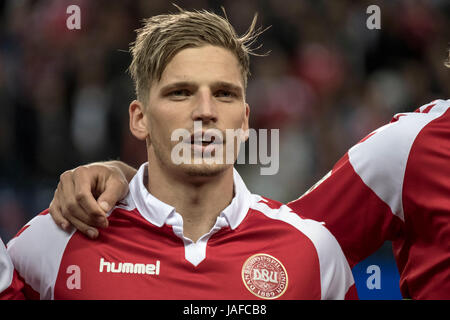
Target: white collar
157	212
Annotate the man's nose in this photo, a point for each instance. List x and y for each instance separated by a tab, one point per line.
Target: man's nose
205	109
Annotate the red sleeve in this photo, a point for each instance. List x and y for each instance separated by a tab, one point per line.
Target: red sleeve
11	285
394	185
423	257
352	294
354	214
15	290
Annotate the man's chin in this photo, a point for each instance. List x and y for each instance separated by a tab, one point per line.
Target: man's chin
204	169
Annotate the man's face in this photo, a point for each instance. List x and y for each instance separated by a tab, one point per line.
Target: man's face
202	85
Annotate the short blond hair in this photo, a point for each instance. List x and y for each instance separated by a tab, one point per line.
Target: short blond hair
163	36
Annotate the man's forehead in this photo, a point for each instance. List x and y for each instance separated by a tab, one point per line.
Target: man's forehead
204	64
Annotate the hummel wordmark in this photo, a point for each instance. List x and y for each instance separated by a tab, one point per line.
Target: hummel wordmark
128	267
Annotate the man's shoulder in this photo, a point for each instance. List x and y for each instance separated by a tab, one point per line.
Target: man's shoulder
39	240
400	133
40	229
327	250
294	221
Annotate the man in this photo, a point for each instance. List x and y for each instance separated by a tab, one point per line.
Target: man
190	230
393	185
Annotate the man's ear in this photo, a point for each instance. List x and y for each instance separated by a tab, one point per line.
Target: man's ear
245	125
138	121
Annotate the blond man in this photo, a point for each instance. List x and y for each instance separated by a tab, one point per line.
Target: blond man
191	230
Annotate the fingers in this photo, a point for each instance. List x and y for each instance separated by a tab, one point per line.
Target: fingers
73	204
92	213
57	216
78	201
76	214
84	228
56	210
75	201
116	188
57	205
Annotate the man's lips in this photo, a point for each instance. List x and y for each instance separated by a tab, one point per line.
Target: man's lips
206	138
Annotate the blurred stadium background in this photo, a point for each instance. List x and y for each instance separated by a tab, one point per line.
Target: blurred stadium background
328	81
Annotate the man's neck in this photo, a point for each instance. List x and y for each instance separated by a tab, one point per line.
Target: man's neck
199	201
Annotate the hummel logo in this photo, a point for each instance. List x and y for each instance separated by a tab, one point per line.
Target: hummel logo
127	267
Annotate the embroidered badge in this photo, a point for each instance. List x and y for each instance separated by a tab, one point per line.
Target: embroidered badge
264	276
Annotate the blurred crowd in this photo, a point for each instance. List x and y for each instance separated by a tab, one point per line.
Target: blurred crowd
326	82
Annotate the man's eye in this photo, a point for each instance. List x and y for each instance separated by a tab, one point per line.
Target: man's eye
179	93
225	94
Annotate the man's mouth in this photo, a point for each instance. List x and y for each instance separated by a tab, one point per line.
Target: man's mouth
205	138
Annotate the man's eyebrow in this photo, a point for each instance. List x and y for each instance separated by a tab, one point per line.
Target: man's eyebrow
219	84
178	84
228	86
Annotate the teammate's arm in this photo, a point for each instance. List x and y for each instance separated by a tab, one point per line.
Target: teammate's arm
85	194
364	200
355	215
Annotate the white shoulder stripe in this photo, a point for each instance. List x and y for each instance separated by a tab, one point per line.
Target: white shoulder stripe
335	273
381	160
37	252
438	106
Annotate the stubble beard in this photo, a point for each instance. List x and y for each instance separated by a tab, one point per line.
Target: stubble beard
203	169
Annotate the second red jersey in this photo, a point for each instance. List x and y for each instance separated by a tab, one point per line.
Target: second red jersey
394	185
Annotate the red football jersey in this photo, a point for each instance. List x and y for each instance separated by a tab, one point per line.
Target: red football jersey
258	248
394	185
